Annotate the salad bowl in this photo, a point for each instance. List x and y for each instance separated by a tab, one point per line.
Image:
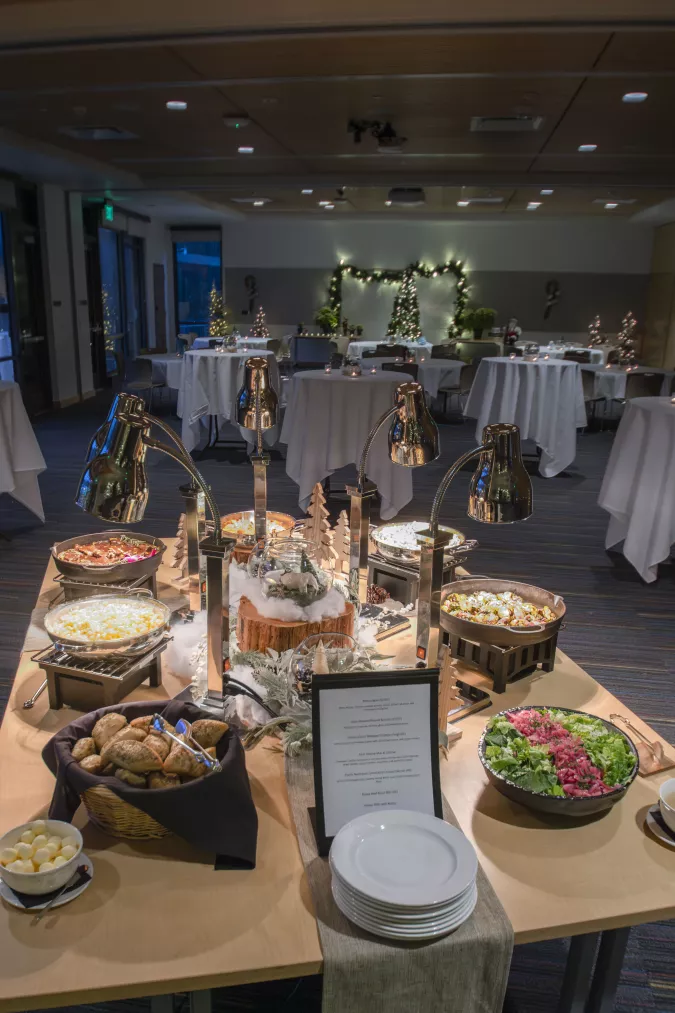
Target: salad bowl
618	749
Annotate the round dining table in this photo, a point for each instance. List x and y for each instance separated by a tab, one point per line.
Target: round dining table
610	381
328	418
252	344
638	489
418	349
209	387
21	459
544	398
167	367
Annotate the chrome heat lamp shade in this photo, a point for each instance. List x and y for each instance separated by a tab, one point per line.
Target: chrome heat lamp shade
413	437
500	491
257	401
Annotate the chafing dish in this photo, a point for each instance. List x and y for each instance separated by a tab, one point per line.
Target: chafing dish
114	572
502	636
235	524
386	536
128	647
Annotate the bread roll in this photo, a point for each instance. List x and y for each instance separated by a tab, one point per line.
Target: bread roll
83	747
158	779
208	731
127	734
106	727
135	780
93	764
180	761
137	757
146	722
108	770
160	743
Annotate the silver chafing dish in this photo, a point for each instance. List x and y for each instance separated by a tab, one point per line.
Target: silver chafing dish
397	543
502	636
114	572
128	647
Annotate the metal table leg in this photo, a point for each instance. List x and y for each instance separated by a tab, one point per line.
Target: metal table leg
200	1002
578	973
161	1003
607	971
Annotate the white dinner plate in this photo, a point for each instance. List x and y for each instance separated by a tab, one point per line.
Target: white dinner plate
396	933
8	894
404	858
400	912
411	929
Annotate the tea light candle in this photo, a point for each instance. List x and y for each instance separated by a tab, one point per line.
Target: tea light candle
546	357
608	366
512	355
373	369
328	368
422	358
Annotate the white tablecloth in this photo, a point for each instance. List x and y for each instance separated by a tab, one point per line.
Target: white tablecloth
438	374
638	489
253	343
544	399
21	459
357	348
166	368
598	353
611	382
213	379
328	418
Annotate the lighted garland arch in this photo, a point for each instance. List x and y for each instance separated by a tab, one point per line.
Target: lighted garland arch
391	277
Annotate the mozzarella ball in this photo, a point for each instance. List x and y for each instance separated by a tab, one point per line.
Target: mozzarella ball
69	842
46	867
53	849
24	850
42	855
58	860
68	852
40	841
28	836
8	855
39	827
56	841
17	866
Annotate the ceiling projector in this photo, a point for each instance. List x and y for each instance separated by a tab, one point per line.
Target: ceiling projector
406	196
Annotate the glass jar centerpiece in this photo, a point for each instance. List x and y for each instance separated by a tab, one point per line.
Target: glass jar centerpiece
290	570
326	654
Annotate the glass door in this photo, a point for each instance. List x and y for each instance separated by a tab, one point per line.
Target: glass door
6	351
134	295
111	298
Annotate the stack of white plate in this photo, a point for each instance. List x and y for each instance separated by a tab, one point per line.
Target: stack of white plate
403	875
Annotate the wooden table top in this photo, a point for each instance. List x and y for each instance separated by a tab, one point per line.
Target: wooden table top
158	919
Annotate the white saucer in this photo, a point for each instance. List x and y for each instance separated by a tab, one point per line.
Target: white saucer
404	858
8	894
392	912
652	820
412	935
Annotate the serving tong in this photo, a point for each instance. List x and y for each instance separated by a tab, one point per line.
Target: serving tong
184	727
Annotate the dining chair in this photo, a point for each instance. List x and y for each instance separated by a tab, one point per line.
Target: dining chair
411	368
583	356
591	400
138	379
368	353
641	385
444	352
613	357
274	345
390	351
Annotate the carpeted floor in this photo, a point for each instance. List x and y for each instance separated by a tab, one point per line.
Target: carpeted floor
619	629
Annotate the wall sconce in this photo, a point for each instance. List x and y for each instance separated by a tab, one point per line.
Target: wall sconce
500	493
257	409
413	442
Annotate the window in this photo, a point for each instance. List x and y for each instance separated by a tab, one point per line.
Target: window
110	296
6	363
197	265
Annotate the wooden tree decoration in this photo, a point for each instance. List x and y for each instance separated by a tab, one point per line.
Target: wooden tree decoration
260	329
315	527
341	536
595	335
626	340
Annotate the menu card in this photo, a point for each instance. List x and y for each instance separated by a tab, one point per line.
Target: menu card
375	738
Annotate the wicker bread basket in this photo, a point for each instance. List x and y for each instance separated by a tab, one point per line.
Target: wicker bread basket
117	817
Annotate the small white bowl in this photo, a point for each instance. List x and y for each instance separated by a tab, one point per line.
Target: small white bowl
667	803
41	882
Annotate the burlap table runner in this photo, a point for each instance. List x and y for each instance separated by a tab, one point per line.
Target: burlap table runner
464	972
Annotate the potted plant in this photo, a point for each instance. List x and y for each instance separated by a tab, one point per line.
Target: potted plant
326	320
359	330
480	319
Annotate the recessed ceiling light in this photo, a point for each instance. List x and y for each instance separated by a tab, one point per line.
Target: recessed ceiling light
611	205
306	191
463	203
176	105
259	203
634	96
328	207
533	205
546	193
587	147
323	203
388	203
245	151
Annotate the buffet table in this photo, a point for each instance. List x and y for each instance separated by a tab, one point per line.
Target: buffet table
328	418
212	380
21	459
545	399
638	489
157	919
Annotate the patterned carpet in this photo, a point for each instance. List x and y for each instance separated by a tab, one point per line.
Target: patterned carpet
619	629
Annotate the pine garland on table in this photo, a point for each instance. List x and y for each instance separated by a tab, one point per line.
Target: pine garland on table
260	329
626	340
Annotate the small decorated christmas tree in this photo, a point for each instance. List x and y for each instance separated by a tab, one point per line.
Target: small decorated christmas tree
595	335
259	329
341	540
315	528
219	325
626	340
405	317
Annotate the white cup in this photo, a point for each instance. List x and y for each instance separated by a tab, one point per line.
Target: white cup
667	803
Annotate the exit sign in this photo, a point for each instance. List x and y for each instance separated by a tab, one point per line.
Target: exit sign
108	212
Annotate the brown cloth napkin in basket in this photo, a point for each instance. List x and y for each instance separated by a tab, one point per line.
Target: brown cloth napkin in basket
215	813
464	972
